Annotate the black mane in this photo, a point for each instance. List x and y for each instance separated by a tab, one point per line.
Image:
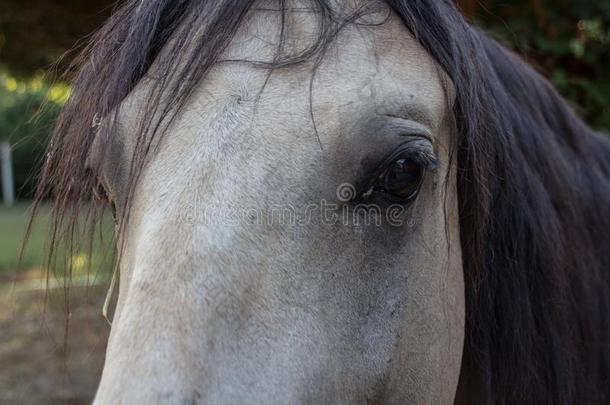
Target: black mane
533	184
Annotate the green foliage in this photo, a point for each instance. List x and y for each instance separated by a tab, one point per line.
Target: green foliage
35	34
27	113
567	40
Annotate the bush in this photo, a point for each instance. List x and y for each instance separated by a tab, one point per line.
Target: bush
27	113
568	41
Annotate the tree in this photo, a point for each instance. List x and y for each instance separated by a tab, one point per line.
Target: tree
34	34
568	41
28	110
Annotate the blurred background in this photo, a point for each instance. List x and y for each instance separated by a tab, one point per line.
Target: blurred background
567	40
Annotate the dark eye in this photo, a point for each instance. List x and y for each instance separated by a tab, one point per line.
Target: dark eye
101	195
400	176
401	179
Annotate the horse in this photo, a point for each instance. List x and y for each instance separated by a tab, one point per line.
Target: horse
322	201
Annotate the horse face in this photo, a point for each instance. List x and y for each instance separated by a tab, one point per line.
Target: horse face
294	237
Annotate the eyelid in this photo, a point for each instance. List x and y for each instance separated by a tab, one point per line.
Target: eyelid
419	149
406	127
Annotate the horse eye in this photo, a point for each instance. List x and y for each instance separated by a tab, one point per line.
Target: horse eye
401	180
101	195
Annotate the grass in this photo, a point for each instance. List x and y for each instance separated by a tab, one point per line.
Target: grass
36	368
13	222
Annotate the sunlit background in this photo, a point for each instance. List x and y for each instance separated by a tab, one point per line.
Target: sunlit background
52	343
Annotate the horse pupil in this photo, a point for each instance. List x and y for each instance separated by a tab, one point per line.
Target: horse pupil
402	179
